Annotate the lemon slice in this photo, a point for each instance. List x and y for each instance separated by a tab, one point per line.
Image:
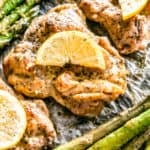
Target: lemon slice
72	47
131	8
12	120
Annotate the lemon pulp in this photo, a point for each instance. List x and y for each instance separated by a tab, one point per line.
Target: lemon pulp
12	120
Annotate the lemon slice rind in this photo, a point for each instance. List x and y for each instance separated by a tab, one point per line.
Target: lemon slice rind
73	47
131	8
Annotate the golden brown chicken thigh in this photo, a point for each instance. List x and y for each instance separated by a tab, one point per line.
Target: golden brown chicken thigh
128	36
80	89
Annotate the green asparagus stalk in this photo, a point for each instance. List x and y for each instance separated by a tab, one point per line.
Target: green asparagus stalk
91	137
121	136
148	145
137	142
8	6
18	27
32	2
24	22
15	15
4	39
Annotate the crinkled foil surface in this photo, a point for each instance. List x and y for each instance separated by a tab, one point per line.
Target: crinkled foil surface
69	126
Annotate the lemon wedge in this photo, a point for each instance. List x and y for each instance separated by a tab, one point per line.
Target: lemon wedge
131	8
72	47
12	120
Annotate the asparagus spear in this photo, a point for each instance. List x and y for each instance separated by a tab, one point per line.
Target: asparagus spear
15	15
32	2
137	142
4	39
148	145
91	137
8	6
121	136
24	22
18	27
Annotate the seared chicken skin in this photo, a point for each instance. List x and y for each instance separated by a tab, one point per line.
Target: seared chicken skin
40	131
128	36
80	89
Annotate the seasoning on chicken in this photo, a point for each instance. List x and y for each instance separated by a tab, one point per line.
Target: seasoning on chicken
128	36
40	131
81	89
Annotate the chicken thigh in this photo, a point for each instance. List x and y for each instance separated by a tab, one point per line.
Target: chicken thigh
82	90
128	36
